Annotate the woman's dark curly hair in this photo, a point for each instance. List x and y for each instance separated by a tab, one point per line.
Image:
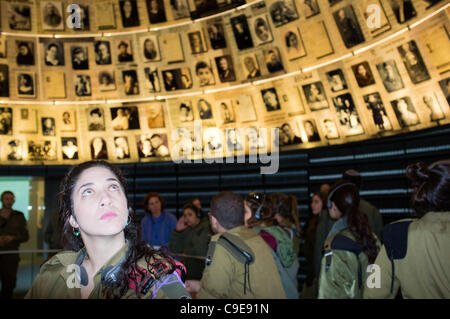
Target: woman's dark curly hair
261	207
137	248
287	207
431	187
346	198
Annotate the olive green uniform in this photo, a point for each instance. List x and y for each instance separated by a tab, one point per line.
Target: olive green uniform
343	272
192	241
325	224
424	270
226	276
56	280
15	225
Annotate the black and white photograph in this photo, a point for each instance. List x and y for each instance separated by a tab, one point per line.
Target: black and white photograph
226	111
54	53
102	52
129	13
293	42
288	134
241	32
204	73
255	139
348	116
122	148
6	121
330	129
403	9
80	59
251	66
213	140
125	118
363	74
99	149
19	16
177	79
431	104
48	126
225	68
392	80
233	139
106	81
152	145
150	48
152	81
270	99
216	35
204	109
380	117
197	42
337	81
154	115
42	150
348	26
156	11
82	85
25	53
310	8
405	112
315	96
125	51
4	80
311	130
26	85
69	148
413	61
445	86
180	9
282	12
52	16
205	7
186	114
130	82
261	29
272	57
67	121
95	119
84	19
15	151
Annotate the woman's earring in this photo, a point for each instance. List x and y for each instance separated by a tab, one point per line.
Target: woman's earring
128	221
76	232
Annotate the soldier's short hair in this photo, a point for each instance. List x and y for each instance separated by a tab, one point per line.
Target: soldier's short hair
228	208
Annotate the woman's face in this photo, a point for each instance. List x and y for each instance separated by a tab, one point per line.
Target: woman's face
316	205
154	205
149	46
100	206
127	7
248	214
190	217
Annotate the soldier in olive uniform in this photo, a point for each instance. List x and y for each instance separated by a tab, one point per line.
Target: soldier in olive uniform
415	256
13	232
191	237
350	249
239	263
106	257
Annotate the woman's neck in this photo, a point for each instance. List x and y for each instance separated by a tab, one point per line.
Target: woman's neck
101	249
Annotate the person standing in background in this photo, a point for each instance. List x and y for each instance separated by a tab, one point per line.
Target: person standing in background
157	225
13	232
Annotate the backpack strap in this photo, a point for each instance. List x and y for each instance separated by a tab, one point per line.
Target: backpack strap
395	238
341	242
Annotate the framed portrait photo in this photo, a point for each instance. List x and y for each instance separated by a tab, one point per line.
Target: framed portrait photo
336	80
152	80
293	43
150	48
125	118
27	121
95	118
241	32
380	117
363	74
69	148
6	116
261	29
348	116
19	16
348	26
25	52
315	96
52	17
405	112
270	99
282	12
390	76
129	13
67	120
26	85
197	41
106	80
